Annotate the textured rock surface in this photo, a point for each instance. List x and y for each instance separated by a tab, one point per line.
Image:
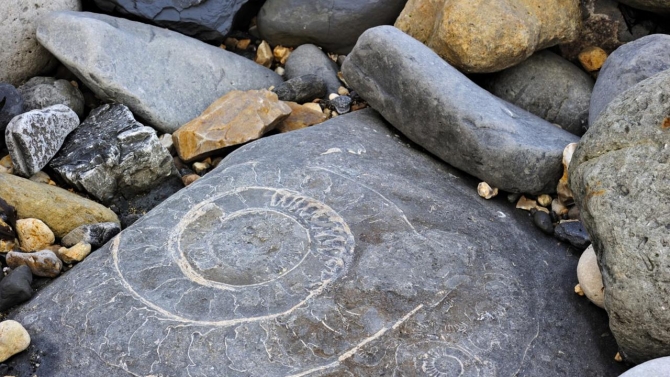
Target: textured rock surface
41	92
619	175
15	287
310	60
11	105
112	153
236	118
165	78
34	234
301	117
317	252
334	25
573	232
61	210
658	6
548	86
442	110
627	66
206	20
590	278
21	56
43	263
653	368
13	339
76	253
94	234
302	89
488	36
33	138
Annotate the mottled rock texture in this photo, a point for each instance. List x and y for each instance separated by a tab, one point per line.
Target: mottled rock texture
41	92
442	110
336	250
164	77
489	35
94	234
619	175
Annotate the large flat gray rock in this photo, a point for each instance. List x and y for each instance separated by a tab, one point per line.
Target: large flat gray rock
619	175
164	77
350	253
443	111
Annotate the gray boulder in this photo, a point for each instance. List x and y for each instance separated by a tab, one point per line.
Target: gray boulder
334	250
41	92
21	56
548	86
33	138
310	60
112	153
443	111
11	105
164	77
206	20
619	175
334	25
94	234
653	368
627	66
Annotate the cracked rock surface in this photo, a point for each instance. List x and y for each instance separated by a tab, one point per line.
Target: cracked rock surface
335	250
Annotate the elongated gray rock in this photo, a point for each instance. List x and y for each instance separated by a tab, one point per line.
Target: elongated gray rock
113	153
33	138
627	66
337	250
443	111
164	77
202	19
310	60
619	175
548	86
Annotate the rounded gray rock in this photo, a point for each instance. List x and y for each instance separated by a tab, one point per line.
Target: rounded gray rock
41	92
653	368
627	66
310	60
548	86
334	25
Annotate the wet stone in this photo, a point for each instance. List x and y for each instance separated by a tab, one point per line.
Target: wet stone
292	241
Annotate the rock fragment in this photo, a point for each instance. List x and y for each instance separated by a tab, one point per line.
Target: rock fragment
34	234
310	60
94	234
573	232
76	253
302	89
15	287
43	263
486	191
41	92
301	117
13	339
590	278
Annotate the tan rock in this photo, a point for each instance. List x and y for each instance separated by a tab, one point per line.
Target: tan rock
190	178
592	58
59	209
281	53
76	253
264	55
486	191
489	35
342	91
301	117
41	263
590	278
34	234
544	200
528	204
13	339
7	246
578	290
313	106
200	167
558	208
242	44
235	118
6	165
563	189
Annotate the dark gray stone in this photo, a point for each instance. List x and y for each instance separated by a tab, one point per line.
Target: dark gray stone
657	6
574	233
164	77
619	175
111	152
34	138
8	217
309	59
443	111
302	89
334	25
336	250
41	92
548	86
627	66
134	207
94	234
15	288
654	368
208	20
542	220
11	105
341	104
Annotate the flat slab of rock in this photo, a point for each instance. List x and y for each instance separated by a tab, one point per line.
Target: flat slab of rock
33	138
164	77
619	176
627	66
443	111
206	20
113	153
335	250
477	36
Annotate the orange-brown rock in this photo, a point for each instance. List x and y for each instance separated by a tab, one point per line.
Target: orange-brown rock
592	58
301	117
489	35
235	118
